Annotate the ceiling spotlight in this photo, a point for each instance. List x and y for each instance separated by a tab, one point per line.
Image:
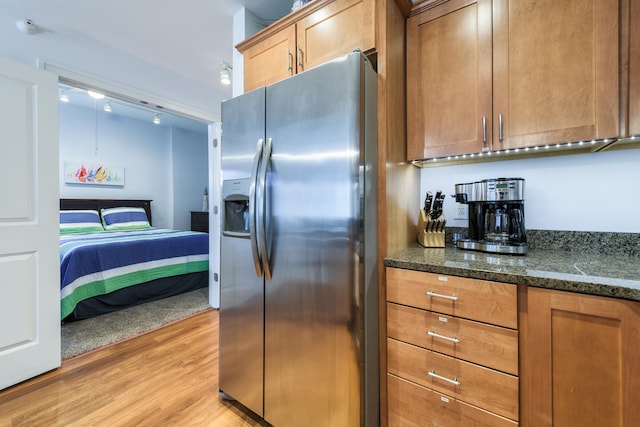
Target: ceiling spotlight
225	76
156	119
27	26
107	107
64	97
95	95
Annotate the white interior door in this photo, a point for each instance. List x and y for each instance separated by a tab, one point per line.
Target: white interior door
29	248
214	215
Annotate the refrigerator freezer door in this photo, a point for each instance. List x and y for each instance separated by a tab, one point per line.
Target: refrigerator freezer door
313	353
241	290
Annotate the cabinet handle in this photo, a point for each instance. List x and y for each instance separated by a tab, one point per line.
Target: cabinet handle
299	58
500	127
433	294
484	130
440	377
290	60
444	337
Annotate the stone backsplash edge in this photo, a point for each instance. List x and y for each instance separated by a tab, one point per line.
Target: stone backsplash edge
592	242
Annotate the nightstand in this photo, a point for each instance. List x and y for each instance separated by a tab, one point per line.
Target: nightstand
200	221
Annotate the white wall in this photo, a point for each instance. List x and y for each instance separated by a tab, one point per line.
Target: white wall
580	192
245	24
150	155
190	174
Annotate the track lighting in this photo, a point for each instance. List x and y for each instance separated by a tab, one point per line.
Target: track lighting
225	76
156	119
107	106
95	95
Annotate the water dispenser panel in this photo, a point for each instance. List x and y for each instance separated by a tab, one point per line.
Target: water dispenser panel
235	196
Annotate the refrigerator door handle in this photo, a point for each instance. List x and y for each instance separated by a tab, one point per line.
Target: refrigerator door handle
253	223
262	209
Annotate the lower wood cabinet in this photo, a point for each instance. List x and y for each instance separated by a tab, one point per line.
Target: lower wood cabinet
451	360
580	360
570	359
411	405
482	343
474	384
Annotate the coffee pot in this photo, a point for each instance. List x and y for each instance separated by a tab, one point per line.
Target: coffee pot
496	215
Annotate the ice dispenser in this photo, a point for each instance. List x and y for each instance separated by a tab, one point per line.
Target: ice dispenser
235	196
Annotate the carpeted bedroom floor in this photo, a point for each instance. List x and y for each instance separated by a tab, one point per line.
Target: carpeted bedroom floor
88	334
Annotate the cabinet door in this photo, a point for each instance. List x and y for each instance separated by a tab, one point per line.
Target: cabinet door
270	60
449	80
582	365
335	30
555	71
634	70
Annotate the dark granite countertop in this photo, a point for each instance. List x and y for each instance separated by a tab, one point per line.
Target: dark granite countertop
615	276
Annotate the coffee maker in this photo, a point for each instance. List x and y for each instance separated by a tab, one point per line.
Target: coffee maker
496	215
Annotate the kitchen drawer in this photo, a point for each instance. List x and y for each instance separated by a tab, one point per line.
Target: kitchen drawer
411	405
494	391
492	346
489	302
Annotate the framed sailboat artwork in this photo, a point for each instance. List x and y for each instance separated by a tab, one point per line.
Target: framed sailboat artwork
93	173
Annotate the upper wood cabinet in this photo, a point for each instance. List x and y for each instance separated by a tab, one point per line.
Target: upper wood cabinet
270	60
316	33
555	71
634	69
449	79
580	363
502	74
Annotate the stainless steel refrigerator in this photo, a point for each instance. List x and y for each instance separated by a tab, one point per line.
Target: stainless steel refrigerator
298	282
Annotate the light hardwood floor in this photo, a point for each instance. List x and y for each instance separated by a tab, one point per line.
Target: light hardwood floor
167	377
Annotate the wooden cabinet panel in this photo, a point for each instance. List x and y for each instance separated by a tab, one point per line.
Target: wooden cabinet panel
476	385
318	32
536	72
582	364
337	29
411	405
487	345
634	69
555	71
449	79
270	60
485	301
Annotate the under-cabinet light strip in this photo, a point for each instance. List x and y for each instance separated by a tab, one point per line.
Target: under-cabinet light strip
515	151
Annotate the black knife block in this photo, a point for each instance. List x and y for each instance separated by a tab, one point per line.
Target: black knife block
430	232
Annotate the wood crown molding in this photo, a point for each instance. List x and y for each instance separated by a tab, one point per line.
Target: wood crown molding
405	7
422	5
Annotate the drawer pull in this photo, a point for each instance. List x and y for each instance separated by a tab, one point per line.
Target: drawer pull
433	334
440	377
433	294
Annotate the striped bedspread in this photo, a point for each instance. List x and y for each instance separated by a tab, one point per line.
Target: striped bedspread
94	264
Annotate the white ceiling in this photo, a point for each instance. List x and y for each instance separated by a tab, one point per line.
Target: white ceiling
190	38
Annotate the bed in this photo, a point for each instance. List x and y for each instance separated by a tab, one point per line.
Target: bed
111	257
